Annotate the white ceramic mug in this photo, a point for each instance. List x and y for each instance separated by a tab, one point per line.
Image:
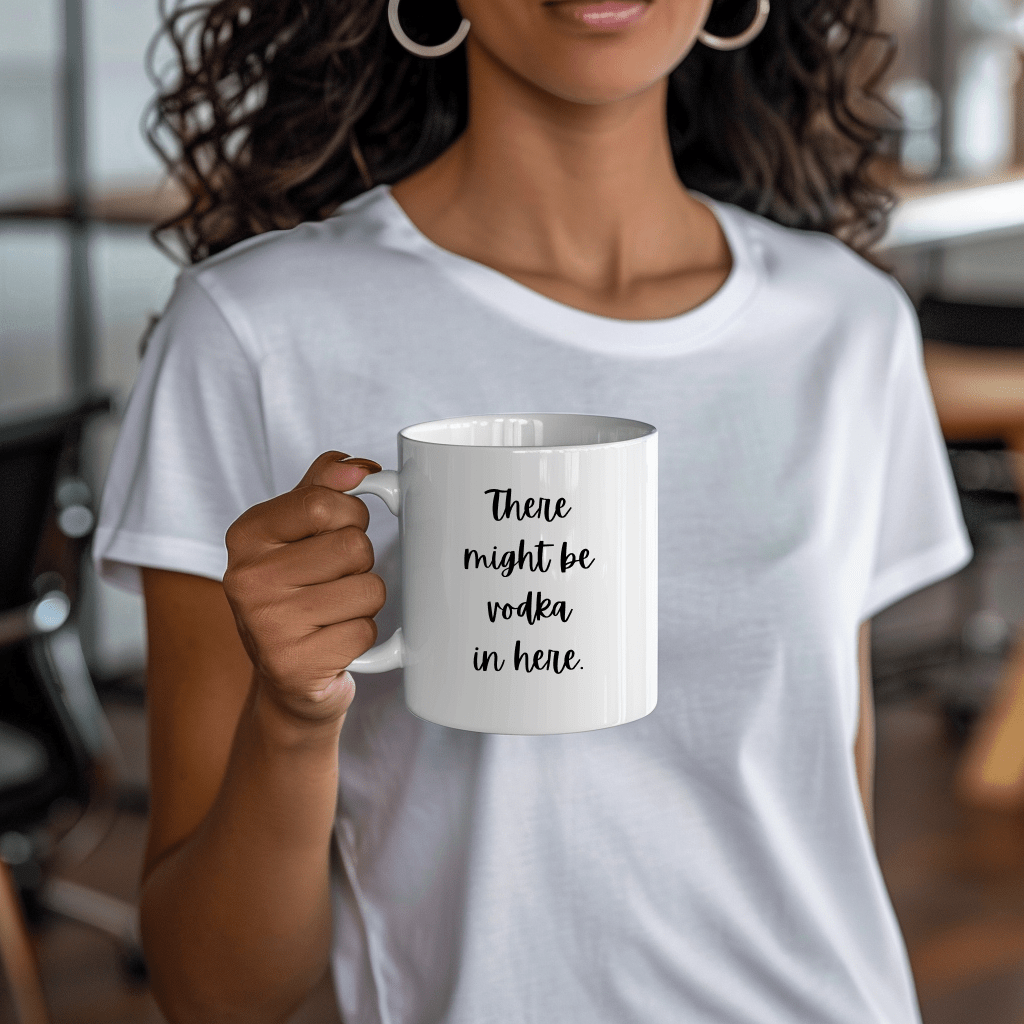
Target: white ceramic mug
529	550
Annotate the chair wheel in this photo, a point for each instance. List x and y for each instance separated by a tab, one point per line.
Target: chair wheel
133	965
959	719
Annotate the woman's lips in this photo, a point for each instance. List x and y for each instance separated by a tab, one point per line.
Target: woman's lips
608	14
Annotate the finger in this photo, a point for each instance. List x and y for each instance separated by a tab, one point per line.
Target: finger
318	464
319	559
304	512
352	597
329	699
338	471
339	644
321	655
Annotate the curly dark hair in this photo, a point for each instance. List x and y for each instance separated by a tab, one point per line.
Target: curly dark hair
276	111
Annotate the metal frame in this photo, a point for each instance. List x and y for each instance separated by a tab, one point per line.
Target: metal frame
80	327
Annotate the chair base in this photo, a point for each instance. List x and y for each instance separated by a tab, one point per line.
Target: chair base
18	957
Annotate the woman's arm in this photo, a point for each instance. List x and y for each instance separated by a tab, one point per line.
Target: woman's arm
864	744
235	902
235	912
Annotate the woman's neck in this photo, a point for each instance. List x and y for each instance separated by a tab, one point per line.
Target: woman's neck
578	201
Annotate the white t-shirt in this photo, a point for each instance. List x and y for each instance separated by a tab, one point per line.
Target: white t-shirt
709	864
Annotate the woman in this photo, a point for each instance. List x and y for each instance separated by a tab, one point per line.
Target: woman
539	250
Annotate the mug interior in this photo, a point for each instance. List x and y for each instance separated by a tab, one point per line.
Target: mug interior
528	430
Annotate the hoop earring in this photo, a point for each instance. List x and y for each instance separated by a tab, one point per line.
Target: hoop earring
746	36
424	51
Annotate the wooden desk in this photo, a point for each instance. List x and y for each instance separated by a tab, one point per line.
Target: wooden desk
955	211
141	206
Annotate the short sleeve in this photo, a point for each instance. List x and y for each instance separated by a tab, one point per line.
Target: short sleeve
191	455
920	536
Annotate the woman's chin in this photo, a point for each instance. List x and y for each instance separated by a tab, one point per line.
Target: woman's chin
584	75
590	83
625	48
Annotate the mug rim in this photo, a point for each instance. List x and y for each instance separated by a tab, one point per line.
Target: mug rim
646	431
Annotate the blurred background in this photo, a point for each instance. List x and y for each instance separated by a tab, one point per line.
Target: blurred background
80	279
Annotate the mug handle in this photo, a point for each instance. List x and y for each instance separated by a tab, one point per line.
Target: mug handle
390	654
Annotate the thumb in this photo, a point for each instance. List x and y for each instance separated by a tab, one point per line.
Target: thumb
338	471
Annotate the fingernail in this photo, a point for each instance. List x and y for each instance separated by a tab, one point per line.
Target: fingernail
344	456
369	464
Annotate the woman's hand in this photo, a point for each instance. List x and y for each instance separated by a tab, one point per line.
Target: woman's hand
244	760
300	587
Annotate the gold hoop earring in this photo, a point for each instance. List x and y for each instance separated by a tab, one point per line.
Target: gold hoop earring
748	35
424	51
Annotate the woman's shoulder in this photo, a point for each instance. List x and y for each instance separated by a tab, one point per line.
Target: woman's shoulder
346	253
823	299
313	272
815	262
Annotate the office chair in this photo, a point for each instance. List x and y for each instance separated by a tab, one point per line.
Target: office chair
980	384
987	476
56	749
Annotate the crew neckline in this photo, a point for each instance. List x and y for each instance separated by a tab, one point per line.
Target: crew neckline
695	328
